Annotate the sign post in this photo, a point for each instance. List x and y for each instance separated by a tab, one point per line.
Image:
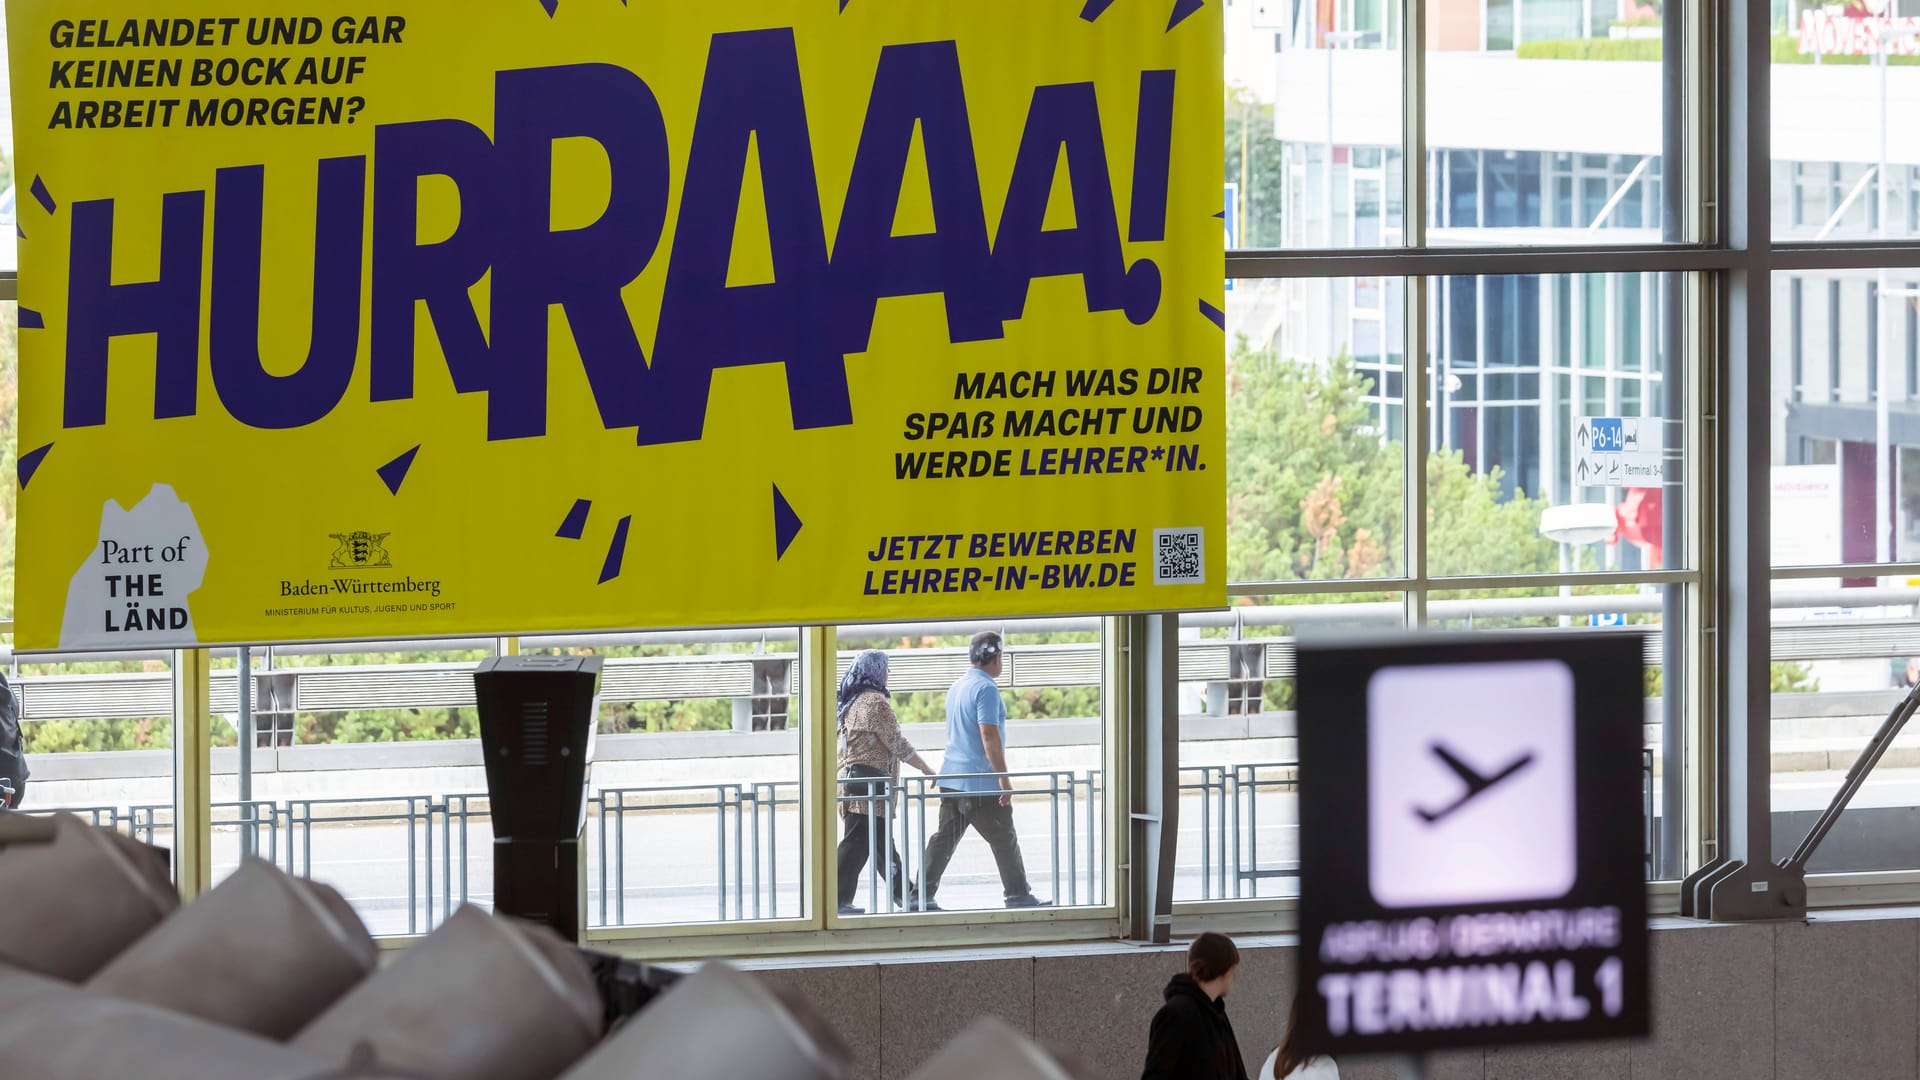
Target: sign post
1471	842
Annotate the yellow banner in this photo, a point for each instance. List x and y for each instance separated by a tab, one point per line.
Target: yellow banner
444	318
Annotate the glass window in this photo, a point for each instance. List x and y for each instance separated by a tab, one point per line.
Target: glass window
1842	79
1331	156
1839	121
695	799
1552	72
1314	467
1508	486
98	736
1843	656
1499	14
1553	20
366	774
1631	326
954	844
1840	477
1646	609
1239	820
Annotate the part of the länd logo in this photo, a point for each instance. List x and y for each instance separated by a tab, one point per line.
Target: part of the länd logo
360	551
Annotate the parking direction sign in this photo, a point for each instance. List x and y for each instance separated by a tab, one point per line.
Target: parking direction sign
1618	451
1471	836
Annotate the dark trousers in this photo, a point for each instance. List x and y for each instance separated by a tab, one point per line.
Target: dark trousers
865	834
984	814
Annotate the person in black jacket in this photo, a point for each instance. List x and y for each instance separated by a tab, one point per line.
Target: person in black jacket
13	748
1191	1038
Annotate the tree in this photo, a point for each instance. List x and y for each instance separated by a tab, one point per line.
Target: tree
1250	136
1314	493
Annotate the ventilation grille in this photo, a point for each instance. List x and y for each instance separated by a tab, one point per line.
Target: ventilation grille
533	733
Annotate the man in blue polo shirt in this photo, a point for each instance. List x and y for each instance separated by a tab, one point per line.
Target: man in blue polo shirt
976	744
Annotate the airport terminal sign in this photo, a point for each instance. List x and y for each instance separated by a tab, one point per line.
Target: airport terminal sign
443	318
1471	860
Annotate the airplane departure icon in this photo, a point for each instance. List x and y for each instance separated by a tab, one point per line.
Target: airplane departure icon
1476	783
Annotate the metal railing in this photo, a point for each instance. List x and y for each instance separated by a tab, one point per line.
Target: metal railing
743	814
1073	821
1893	630
1228	795
1232	865
746	847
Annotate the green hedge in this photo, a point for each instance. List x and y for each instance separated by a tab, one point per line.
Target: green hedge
1786	50
1591	49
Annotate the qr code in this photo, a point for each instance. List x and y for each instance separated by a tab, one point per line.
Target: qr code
1179	557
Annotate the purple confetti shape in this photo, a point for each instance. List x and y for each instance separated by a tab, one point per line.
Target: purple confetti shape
1095	9
1221	214
42	196
30	463
31	320
1182	9
576	524
786	524
616	551
20	231
551	6
395	472
843	4
1218	317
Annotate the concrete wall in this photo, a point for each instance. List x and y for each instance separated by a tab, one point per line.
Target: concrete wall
1837	997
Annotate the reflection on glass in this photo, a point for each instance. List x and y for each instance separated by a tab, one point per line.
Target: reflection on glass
1841	661
1521	365
1846	377
1315	428
1239	824
1048	843
1846	80
1313	148
1607	609
1544	122
693	805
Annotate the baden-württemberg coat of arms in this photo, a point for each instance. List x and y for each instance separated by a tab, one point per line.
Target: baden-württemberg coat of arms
360	551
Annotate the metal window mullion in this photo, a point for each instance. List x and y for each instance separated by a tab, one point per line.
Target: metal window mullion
819	875
1418	389
1416	386
1845	570
192	773
1748	885
1680	191
1554	580
1331	586
1876	256
1412	259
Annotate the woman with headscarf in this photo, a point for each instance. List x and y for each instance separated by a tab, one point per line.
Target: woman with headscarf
871	748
